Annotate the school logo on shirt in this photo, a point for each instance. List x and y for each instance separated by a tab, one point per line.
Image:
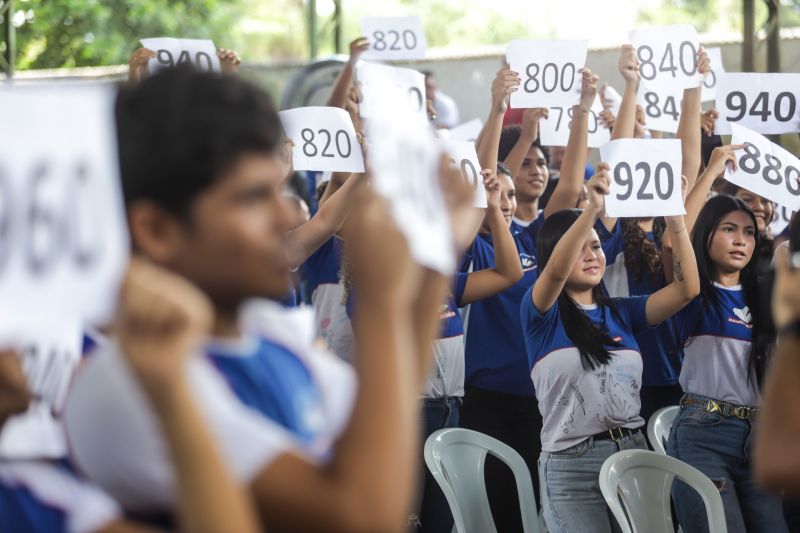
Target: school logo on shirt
445	312
743	315
528	262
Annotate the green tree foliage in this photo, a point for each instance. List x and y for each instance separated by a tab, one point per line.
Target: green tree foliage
73	33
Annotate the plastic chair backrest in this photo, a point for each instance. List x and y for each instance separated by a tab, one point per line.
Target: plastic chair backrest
456	459
641	481
659	426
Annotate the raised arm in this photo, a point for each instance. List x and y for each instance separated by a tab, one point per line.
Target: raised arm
698	195
305	240
162	321
626	118
505	82
554	275
573	167
685	285
344	81
528	136
689	124
507	268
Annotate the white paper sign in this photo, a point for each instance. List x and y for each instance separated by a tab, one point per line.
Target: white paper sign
201	53
765	168
389	90
780	220
549	72
49	364
554	130
465	158
766	103
394	38
613	98
63	236
404	161
645	177
717	68
468	131
662	110
324	139
667	57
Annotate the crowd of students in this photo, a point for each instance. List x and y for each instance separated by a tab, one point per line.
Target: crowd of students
210	403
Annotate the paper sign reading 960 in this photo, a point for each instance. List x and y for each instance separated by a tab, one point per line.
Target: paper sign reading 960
645	177
549	72
63	236
324	139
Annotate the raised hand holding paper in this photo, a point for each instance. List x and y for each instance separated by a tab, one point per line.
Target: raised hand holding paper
549	72
465	158
765	168
765	103
394	38
645	177
324	139
172	52
404	161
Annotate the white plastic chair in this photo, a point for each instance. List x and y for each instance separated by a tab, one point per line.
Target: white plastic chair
641	480
659	426
456	459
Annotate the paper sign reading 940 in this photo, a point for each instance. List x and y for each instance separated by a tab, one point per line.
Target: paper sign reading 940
645	177
765	168
63	236
324	139
765	103
394	38
549	72
172	52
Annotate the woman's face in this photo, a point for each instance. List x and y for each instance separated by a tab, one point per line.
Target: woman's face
760	206
733	242
508	197
587	272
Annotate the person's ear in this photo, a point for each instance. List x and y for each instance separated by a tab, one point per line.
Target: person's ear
155	233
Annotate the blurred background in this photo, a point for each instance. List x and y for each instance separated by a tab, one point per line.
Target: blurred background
279	39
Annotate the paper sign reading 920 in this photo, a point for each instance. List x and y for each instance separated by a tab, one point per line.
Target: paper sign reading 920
324	139
394	38
172	52
63	237
645	177
667	57
765	168
549	72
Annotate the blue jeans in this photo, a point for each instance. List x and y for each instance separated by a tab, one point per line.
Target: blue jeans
719	446
434	511
570	485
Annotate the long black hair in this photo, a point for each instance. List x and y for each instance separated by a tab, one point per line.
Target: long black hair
708	220
590	340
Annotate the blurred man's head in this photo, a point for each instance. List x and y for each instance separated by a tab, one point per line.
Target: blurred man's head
202	178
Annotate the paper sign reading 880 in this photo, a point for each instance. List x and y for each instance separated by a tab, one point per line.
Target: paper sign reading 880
63	238
765	168
645	177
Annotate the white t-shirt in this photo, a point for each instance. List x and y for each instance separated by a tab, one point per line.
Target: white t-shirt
61	498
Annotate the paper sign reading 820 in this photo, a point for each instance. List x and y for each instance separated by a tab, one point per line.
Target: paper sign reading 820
324	139
645	177
549	72
394	38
